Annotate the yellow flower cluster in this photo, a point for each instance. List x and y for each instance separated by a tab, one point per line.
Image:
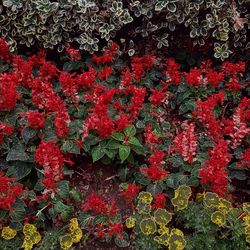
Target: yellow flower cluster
31	236
174	240
130	222
246	218
144	203
74	235
162	216
8	233
222	206
181	197
148	226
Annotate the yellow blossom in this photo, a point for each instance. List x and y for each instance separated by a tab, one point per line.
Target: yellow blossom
163	229
130	222
148	226
29	229
66	242
218	218
162	239
73	224
176	240
224	205
146	197
143	208
8	233
211	199
162	216
246	207
180	202
76	235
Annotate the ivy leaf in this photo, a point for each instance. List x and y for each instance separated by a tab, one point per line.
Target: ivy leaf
18	214
97	153
17	153
124	152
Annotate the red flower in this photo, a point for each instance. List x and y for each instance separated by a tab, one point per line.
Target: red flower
130	193
50	157
185	143
115	228
35	119
8	93
194	77
245	159
172	71
96	204
157	96
74	54
159	201
5	130
5	53
214	78
9	192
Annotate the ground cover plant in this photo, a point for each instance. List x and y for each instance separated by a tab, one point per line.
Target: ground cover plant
176	138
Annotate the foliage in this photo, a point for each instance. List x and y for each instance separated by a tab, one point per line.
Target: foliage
90	22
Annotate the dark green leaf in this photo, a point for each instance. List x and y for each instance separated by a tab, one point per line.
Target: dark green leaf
28	133
124	152
97	153
17	153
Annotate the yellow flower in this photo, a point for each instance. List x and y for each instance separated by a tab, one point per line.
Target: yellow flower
148	226
162	216
176	241
224	205
247	229
163	229
76	235
183	191
143	208
32	236
27	244
176	231
130	222
247	220
146	197
180	202
29	229
66	242
218	218
8	233
73	224
248	239
162	239
199	197
211	199
36	237
246	207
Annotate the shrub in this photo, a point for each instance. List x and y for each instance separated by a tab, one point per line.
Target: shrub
89	23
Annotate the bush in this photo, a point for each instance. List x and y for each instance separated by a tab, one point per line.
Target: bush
222	24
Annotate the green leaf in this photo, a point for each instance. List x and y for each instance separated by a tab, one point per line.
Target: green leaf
171	7
134	141
63	189
28	133
97	153
64	210
75	194
124	152
118	136
18	214
17	153
19	170
112	144
70	147
122	241
130	130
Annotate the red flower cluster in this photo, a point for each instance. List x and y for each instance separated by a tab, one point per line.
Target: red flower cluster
159	201
130	193
107	57
35	119
155	171
9	191
214	172
185	143
74	54
194	77
245	159
5	53
50	157
5	130
8	93
172	71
